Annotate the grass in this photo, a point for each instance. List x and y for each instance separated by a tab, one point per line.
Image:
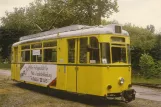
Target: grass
25	95
5	66
139	79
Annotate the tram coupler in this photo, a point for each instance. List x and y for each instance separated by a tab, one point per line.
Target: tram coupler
128	95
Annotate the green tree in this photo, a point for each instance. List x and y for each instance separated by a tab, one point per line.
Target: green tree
146	64
140	37
40	16
151	28
156	50
58	13
7	38
142	41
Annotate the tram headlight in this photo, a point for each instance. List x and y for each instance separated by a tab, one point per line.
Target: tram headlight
121	80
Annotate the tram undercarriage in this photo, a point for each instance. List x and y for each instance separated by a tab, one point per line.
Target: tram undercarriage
126	96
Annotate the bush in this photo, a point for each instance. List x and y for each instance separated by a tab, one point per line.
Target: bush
1	59
157	73
147	66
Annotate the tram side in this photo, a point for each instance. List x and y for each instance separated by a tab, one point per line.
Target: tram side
92	64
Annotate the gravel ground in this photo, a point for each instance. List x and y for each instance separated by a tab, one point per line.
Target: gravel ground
13	94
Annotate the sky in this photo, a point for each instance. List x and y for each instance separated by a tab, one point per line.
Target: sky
8	5
138	12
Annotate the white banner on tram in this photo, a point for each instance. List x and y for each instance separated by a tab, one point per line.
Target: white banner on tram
38	73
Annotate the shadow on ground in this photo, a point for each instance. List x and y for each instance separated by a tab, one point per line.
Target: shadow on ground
84	99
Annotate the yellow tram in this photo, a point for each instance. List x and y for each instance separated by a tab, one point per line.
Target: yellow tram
92	60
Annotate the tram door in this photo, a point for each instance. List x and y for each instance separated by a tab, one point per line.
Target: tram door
72	65
78	72
77	55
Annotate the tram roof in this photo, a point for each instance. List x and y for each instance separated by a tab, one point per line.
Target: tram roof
73	30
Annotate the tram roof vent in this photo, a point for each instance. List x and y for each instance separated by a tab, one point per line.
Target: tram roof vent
115	28
118	29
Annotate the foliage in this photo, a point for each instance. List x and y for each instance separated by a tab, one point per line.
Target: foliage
7	38
42	15
1	59
140	37
5	66
146	64
142	41
151	28
141	79
156	50
157	73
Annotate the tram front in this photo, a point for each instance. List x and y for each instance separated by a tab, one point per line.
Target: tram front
115	54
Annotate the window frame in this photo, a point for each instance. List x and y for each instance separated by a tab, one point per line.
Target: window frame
99	50
24	50
52	47
125	47
42	48
76	58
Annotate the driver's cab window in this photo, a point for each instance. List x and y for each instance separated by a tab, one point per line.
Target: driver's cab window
118	54
94	50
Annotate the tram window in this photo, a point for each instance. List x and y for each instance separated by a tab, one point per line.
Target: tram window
39	58
94	50
83	50
105	53
33	58
25	47
50	44
36	56
25	55
71	50
38	45
118	54
50	55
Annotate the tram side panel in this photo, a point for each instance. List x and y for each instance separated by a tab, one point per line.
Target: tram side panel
61	61
89	80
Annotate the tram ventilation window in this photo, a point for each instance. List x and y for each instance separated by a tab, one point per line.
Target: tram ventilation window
25	47
37	45
94	50
50	44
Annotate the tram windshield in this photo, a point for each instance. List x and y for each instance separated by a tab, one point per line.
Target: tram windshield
118	54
